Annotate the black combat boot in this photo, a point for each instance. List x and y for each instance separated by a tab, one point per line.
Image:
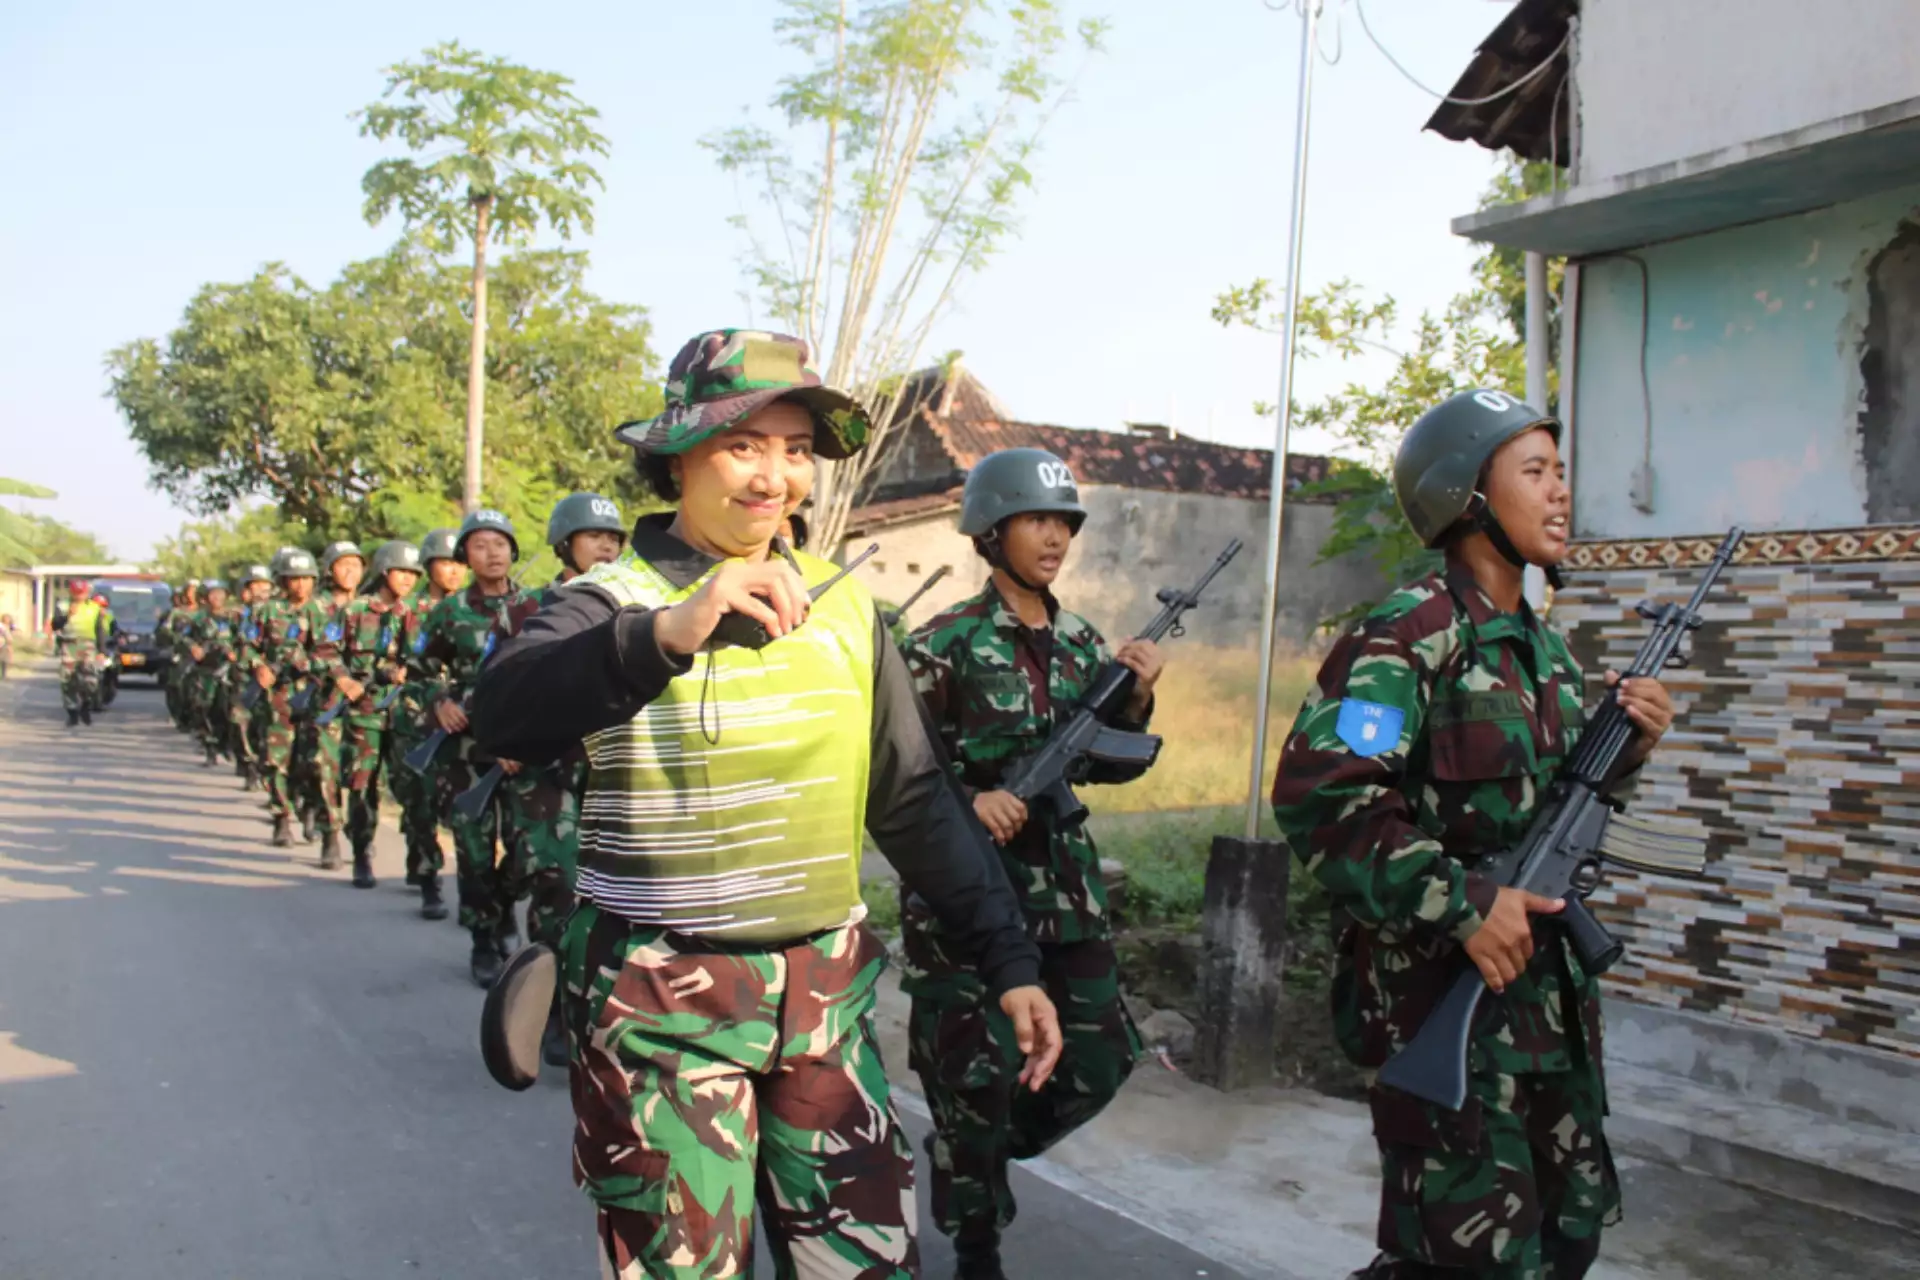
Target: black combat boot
485	962
553	1041
507	941
73	718
307	828
250	779
213	755
363	869
431	905
329	850
282	832
415	877
86	712
976	1254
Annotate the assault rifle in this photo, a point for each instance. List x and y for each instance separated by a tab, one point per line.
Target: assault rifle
1564	853
339	705
470	803
892	616
1085	737
420	759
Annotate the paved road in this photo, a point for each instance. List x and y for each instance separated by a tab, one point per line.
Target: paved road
216	1061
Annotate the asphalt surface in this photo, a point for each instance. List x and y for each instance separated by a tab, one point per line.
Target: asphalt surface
217	1061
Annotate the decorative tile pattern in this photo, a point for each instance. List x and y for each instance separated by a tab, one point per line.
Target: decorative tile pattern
1817	546
1797	753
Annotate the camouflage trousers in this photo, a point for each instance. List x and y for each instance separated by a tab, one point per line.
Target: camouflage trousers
277	754
79	676
544	808
488	851
177	672
963	1049
705	1079
1516	1185
363	759
315	769
243	724
414	794
210	708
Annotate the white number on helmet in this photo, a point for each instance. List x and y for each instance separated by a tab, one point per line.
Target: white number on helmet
1498	401
604	509
1054	475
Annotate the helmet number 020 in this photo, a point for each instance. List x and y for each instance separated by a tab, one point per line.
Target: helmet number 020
1054	475
604	509
1498	401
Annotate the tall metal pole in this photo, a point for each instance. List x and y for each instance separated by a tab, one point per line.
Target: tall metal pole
1309	26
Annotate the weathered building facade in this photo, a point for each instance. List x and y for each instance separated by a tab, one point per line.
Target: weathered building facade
1741	344
1160	508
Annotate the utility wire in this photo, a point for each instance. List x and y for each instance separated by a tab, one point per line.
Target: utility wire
1361	9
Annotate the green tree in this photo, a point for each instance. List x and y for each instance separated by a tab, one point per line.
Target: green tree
918	121
226	545
1479	340
27	539
341	405
498	151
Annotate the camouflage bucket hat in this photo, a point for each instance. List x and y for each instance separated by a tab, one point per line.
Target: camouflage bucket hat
721	377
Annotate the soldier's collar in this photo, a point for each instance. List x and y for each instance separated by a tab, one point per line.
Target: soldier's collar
678	562
1004	614
1486	618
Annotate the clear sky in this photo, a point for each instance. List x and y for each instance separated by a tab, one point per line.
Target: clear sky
155	148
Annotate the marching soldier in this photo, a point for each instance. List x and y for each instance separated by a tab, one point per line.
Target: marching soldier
459	636
79	637
1433	730
210	646
172	633
287	625
719	976
995	672
243	728
584	530
372	646
416	794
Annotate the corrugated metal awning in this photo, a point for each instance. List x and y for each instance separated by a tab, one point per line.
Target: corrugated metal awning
1525	121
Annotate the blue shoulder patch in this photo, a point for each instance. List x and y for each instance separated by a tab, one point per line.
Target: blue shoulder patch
1369	728
333	633
420	643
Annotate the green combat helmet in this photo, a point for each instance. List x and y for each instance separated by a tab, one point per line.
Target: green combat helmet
294	563
437	545
582	513
1436	473
256	573
484	518
397	555
211	585
338	551
1014	482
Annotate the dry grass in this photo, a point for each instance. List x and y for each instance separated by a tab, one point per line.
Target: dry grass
1203	709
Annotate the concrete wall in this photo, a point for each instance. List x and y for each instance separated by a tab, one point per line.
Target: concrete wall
1136	542
1661	80
1777	399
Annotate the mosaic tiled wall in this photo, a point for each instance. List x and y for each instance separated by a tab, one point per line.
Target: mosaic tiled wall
1797	753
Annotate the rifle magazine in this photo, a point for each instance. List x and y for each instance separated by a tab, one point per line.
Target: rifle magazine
1640	844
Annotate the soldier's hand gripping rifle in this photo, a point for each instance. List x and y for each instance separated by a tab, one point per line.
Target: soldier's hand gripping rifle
420	759
1564	853
1085	736
339	705
892	616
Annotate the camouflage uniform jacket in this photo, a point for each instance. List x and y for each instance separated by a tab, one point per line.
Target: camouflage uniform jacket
1432	732
214	632
995	688
289	633
460	634
373	643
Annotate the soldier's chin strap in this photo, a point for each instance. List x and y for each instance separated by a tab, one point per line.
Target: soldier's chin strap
1480	512
997	558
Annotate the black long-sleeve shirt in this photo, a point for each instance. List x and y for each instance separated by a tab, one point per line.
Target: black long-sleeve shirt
584	664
